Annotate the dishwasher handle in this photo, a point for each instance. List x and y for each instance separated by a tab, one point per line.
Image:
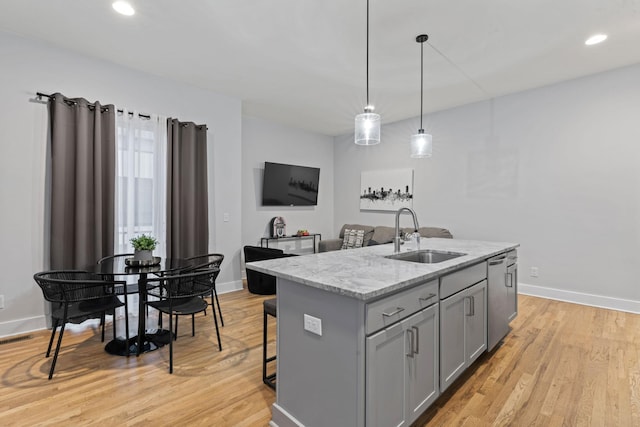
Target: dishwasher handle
497	261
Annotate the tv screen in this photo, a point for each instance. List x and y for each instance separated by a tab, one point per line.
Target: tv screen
289	185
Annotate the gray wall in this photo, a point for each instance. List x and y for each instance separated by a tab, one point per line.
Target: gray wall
265	141
554	169
28	67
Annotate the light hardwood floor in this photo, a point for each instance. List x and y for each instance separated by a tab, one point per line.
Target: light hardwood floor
562	364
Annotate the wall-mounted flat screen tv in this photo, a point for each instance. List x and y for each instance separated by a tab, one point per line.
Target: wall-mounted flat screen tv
289	185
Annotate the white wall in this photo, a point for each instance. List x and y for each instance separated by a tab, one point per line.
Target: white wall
554	169
265	141
28	67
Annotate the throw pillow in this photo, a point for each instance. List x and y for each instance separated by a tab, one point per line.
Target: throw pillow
352	239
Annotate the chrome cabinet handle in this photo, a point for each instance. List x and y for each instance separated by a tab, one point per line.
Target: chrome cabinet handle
427	298
509	280
417	339
393	313
410	335
471	306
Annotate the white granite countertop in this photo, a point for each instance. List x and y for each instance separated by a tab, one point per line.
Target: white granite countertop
366	274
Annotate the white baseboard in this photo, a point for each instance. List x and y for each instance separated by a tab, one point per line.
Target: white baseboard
600	301
22	326
223	288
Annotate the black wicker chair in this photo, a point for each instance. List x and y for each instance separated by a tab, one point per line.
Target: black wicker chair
74	294
181	294
208	261
201	262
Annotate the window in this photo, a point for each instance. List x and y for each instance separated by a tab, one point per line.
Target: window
140	206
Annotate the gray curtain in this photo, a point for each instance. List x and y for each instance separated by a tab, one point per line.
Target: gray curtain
82	181
187	200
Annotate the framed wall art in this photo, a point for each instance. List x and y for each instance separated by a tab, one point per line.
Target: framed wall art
386	190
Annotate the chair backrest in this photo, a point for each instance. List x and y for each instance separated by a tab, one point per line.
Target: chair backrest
101	260
205	261
208	259
73	285
184	285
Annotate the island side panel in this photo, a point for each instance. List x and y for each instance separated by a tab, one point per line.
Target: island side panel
320	379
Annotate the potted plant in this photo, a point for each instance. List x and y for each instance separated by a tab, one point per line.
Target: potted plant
143	246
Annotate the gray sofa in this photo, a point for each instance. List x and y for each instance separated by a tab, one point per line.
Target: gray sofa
377	235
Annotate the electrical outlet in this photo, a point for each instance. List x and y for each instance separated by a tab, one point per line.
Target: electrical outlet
225	217
313	324
534	272
1	301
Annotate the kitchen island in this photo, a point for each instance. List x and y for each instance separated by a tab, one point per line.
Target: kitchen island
365	340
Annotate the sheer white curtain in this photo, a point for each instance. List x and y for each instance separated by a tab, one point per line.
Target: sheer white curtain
141	160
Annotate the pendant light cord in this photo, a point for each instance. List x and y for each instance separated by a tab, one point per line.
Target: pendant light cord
367	53
421	80
460	70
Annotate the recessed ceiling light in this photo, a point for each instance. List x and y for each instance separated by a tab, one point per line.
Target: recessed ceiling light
123	8
598	38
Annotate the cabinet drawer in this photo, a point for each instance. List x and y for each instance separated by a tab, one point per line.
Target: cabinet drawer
455	282
396	307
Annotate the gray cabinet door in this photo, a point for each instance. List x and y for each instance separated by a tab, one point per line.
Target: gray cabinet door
512	291
402	370
422	367
475	321
385	377
452	338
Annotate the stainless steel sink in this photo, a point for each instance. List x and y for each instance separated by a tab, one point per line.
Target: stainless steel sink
426	256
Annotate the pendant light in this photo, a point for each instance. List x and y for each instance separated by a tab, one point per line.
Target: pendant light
368	123
421	145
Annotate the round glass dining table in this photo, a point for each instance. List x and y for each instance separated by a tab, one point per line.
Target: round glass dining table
119	266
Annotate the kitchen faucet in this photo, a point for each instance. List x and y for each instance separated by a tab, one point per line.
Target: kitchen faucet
396	240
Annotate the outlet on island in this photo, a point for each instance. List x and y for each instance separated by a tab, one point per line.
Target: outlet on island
313	324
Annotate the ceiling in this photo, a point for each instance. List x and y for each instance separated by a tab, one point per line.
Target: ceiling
302	62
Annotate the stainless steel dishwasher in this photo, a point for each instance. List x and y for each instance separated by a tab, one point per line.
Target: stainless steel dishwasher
497	300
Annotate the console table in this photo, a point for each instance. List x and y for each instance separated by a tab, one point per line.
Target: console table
264	241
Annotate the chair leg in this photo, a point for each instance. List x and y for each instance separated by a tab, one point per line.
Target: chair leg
175	332
215	293
269	380
53	334
215	322
171	342
193	325
102	322
264	347
55	355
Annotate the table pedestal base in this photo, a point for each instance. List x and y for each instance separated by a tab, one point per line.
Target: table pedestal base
153	339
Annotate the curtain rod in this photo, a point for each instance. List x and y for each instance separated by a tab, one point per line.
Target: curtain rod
144	116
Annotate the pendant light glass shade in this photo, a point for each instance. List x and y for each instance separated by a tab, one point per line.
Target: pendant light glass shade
421	145
367	128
